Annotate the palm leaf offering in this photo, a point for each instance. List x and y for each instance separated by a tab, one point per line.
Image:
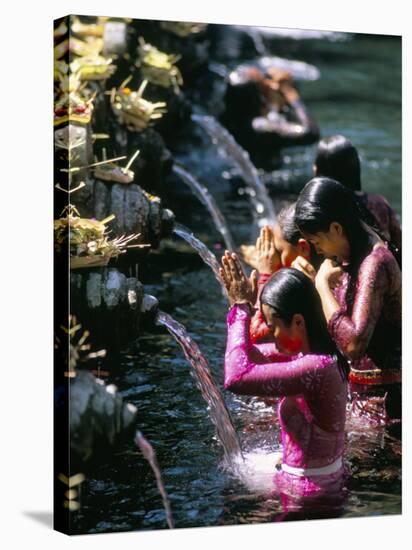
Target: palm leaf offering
158	67
74	103
88	29
108	170
88	240
93	67
182	28
74	46
133	110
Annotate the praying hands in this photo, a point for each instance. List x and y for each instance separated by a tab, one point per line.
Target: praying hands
239	287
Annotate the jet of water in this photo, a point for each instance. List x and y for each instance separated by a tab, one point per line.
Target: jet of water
207	256
150	455
203	194
257	40
257	469
263	209
216	406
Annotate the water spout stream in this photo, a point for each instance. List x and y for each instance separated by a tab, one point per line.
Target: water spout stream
150	455
200	370
263	209
203	194
207	256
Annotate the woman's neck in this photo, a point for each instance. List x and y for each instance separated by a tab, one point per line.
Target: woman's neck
370	241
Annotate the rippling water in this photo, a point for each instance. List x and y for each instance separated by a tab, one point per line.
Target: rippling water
358	95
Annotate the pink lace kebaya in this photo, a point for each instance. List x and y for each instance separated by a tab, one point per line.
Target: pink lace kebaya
311	411
373	317
384	216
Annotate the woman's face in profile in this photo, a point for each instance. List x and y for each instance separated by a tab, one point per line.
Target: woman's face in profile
289	252
331	244
322	243
287	338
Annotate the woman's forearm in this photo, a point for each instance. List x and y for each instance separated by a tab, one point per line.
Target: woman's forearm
329	303
350	338
248	371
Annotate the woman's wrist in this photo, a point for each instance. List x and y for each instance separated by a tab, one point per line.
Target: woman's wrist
322	285
242	302
268	269
234	300
329	303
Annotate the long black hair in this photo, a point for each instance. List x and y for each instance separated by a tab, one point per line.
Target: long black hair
338	159
324	201
289	292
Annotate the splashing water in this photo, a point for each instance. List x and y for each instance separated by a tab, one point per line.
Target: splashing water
202	193
263	210
257	469
150	455
216	406
207	256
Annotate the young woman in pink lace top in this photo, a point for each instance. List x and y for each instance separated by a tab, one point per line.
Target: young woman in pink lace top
304	370
360	287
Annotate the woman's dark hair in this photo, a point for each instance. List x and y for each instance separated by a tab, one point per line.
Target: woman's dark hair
289	292
338	159
324	201
286	221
